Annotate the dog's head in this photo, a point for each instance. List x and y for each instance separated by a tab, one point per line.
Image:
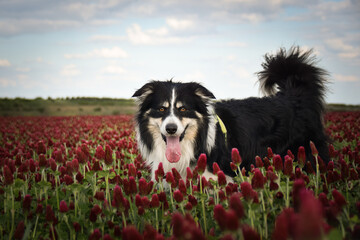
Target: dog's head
170	114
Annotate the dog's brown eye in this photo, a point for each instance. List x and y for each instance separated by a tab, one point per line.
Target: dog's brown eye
182	109
161	109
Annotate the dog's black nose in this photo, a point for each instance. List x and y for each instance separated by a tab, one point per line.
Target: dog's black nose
171	128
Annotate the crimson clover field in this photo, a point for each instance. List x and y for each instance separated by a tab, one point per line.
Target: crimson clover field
83	178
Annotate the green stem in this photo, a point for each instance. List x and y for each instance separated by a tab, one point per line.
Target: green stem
240	173
182	208
26	185
190	181
347	207
52	231
119	169
5	208
317	176
67	224
12	213
216	195
270	199
66	150
287	193
124	218
342	228
203	207
156	219
171	198
43	176
36	193
278	180
46	196
36	223
94	184
251	217
75	203
161	184
57	193
107	188
132	210
264	214
162	217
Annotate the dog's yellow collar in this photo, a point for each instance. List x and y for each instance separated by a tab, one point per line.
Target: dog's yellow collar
222	126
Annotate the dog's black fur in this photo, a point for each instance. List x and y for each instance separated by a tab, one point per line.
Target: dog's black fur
289	116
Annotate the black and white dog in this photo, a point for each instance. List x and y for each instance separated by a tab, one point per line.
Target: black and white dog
176	122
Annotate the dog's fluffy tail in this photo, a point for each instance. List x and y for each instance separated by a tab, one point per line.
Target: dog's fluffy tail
293	73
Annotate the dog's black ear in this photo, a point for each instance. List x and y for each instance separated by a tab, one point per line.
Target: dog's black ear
203	92
144	91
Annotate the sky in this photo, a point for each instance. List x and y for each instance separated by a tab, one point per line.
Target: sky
110	48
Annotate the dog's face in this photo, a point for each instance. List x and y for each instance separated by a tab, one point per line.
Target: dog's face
169	118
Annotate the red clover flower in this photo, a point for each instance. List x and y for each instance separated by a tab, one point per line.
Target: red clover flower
201	164
235	157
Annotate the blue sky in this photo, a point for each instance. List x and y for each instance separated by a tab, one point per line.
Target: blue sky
110	48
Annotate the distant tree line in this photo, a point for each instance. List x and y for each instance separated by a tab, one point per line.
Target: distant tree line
25	103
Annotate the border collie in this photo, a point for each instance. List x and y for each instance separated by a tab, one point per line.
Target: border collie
176	122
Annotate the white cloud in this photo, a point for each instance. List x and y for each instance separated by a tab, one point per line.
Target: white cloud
21	16
4	63
179	24
157	36
24	81
109	38
137	36
344	50
346	78
231	58
196	76
326	9
160	32
86	11
354	54
252	17
22	77
24	69
16	26
70	71
237	44
114	52
77	56
114	69
338	44
242	73
7	83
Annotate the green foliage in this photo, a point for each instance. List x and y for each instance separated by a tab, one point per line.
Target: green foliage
65	106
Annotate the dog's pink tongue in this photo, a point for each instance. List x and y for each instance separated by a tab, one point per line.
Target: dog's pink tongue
173	150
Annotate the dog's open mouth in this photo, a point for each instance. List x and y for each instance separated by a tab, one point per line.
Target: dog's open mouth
173	148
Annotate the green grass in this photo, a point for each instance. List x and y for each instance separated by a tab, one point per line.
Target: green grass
65	106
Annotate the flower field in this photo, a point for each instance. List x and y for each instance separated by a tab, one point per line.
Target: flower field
83	178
